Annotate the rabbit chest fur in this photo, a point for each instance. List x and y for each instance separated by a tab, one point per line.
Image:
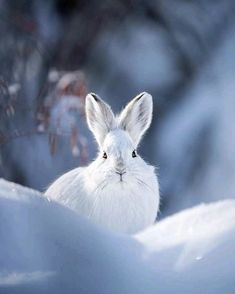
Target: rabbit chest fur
118	190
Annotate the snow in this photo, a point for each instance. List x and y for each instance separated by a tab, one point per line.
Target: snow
190	231
47	248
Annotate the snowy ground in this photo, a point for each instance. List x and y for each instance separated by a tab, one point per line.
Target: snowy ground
46	248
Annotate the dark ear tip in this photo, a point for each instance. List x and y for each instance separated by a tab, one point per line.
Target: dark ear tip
94	96
141	95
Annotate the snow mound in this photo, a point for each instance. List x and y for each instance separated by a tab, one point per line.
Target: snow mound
47	248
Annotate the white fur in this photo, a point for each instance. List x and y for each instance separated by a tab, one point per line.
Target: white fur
124	203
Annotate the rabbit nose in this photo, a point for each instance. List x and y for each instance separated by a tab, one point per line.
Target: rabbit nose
119	166
120	172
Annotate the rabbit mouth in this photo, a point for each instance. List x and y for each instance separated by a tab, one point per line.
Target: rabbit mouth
120	175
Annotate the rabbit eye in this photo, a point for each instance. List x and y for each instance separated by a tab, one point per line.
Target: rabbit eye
134	154
105	155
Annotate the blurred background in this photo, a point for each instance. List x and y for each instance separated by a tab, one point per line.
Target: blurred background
53	52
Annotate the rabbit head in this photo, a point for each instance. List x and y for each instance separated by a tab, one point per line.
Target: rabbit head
118	136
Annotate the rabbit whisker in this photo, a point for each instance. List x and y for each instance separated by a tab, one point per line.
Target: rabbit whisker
142	182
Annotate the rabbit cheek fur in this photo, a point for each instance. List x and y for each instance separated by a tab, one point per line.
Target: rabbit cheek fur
117	191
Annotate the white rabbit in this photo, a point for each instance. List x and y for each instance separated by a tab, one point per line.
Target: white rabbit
118	190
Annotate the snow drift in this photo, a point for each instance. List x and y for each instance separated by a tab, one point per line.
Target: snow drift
47	248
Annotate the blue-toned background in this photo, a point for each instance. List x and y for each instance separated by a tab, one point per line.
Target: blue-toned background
183	52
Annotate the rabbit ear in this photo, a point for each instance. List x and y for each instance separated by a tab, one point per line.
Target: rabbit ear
100	117
136	117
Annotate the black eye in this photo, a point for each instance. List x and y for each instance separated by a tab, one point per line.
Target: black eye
105	155
134	154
